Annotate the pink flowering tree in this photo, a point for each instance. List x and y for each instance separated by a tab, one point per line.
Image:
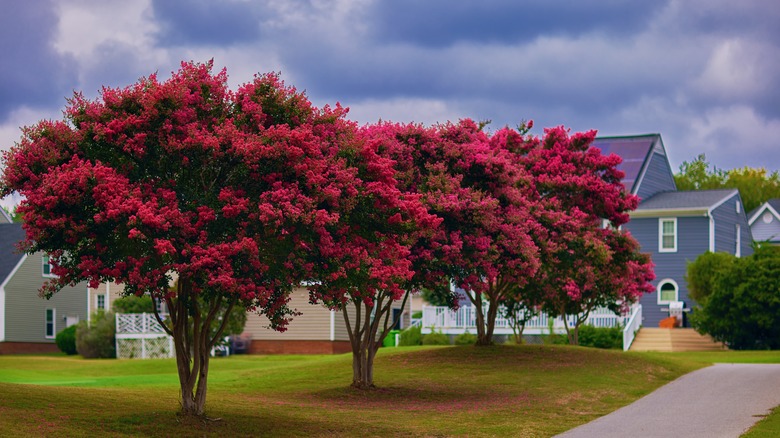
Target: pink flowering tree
484	244
584	264
184	181
364	266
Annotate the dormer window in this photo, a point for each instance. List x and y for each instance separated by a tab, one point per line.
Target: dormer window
667	235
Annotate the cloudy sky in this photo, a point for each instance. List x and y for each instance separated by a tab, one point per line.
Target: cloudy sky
703	73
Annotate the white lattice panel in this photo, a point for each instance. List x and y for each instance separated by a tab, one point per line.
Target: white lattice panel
138	323
144	348
140	336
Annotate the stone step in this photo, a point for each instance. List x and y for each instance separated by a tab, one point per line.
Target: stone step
679	339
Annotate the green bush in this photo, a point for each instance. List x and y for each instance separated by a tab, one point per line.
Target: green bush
66	340
410	336
134	304
743	309
436	338
417	314
465	338
600	337
98	338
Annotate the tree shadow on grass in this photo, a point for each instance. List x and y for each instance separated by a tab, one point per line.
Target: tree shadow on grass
424	397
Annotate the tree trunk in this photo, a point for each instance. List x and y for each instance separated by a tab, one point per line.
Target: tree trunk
366	336
486	323
482	335
193	342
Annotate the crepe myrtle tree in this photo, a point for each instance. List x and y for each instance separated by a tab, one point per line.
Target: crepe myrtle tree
185	179
578	191
484	243
363	264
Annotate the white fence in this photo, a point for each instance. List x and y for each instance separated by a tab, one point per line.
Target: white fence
450	322
140	336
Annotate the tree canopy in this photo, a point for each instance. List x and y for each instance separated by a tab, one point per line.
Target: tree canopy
225	191
756	185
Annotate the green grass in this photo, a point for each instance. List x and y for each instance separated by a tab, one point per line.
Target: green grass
422	391
769	427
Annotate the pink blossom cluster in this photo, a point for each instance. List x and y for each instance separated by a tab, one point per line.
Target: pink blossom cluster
249	193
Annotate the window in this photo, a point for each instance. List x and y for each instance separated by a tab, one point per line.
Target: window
101	302
738	249
47	266
51	325
667	291
739	207
667	235
767	217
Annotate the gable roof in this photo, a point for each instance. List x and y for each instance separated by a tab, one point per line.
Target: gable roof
772	205
694	202
5	218
635	150
10	235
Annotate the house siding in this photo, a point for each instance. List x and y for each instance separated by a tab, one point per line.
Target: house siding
25	311
114	293
658	177
726	221
692	240
763	231
312	324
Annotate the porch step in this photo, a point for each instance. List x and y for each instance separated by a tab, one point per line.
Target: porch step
678	339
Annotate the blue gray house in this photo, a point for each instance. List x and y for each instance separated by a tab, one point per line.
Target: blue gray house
673	226
765	222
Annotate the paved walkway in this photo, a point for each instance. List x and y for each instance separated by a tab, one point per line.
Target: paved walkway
723	400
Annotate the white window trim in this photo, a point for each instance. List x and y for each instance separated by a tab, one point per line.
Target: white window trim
738	249
53	323
739	207
676	290
661	234
45	260
97	302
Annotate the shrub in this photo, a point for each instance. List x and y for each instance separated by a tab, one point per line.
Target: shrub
134	304
97	339
466	339
411	336
417	314
601	337
66	340
436	338
743	309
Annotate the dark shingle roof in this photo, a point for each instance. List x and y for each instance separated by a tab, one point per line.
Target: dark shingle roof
634	151
688	200
10	235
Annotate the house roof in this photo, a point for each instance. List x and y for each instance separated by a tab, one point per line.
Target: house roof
634	150
692	202
773	205
10	235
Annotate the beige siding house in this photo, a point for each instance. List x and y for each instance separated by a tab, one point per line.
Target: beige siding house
317	330
102	297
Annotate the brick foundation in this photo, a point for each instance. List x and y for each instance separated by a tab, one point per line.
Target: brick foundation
298	347
27	347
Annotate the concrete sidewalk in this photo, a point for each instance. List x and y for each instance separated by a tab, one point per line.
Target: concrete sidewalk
723	400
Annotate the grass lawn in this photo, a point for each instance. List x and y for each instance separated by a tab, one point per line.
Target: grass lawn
434	391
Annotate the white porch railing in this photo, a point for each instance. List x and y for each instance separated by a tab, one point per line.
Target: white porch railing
632	326
140	336
451	322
